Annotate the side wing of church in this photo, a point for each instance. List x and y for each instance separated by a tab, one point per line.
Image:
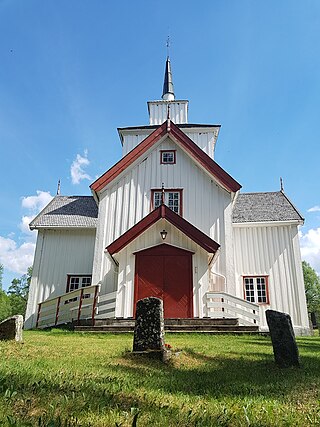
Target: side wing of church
168	221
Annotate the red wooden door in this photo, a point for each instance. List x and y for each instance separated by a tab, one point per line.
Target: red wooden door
165	272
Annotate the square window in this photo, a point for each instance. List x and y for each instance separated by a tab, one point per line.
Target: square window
168	157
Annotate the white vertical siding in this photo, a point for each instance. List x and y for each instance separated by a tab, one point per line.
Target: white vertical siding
58	253
158	112
131	140
205	139
272	251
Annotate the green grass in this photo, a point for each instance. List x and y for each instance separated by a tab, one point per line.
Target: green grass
70	379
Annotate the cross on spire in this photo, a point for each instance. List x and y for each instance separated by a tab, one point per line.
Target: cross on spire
168	46
168	91
162	194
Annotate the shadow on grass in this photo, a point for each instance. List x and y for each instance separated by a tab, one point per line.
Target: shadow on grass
228	377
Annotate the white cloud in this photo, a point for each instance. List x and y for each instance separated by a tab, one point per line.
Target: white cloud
16	258
77	168
314	209
310	247
36	203
24	226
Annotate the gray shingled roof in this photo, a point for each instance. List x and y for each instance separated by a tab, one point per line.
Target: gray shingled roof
264	207
68	212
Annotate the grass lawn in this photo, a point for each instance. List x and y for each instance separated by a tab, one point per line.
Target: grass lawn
71	379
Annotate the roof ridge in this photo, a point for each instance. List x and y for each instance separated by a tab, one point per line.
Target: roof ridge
287	198
42	211
260	192
57	196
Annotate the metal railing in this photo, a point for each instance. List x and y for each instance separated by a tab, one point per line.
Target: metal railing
70	307
223	305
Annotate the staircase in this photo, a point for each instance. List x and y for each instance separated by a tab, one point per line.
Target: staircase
86	311
206	325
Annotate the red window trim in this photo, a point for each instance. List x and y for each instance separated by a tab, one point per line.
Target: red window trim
267	287
167	190
168	151
75	275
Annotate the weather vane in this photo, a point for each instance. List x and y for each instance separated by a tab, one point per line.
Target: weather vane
168	45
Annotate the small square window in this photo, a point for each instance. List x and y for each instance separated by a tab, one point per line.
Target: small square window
168	157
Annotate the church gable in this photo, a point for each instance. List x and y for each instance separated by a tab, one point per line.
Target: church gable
169	129
189	190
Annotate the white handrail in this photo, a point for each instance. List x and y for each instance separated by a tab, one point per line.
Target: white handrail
221	304
68	307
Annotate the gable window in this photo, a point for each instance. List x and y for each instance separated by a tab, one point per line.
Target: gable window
168	157
256	289
172	199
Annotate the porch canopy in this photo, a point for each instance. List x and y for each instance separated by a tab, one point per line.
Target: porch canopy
163	212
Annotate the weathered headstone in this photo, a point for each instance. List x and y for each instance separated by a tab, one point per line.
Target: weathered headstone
149	326
284	344
11	328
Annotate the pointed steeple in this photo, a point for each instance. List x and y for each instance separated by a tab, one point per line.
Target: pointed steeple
168	91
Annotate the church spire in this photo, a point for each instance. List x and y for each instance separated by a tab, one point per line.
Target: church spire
168	91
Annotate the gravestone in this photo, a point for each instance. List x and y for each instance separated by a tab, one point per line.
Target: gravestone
149	326
11	328
284	344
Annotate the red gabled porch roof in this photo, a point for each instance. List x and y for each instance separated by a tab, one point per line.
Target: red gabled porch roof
173	131
164	212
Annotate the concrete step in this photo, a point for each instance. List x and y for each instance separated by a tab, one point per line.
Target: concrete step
205	325
208	328
204	321
234	331
167	322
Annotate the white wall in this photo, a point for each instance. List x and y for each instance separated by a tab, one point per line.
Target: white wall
58	253
158	111
273	251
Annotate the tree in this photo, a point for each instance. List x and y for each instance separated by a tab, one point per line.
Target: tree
5	307
312	288
18	293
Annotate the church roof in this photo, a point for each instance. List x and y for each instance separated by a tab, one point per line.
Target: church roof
82	211
168	128
68	212
264	207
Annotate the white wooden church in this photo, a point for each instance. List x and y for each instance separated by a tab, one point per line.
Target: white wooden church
166	220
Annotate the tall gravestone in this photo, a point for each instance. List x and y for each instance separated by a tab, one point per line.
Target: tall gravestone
11	328
284	344
149	326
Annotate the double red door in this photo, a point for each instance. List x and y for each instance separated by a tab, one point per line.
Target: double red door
165	272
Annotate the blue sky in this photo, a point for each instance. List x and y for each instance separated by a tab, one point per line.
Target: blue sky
73	71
